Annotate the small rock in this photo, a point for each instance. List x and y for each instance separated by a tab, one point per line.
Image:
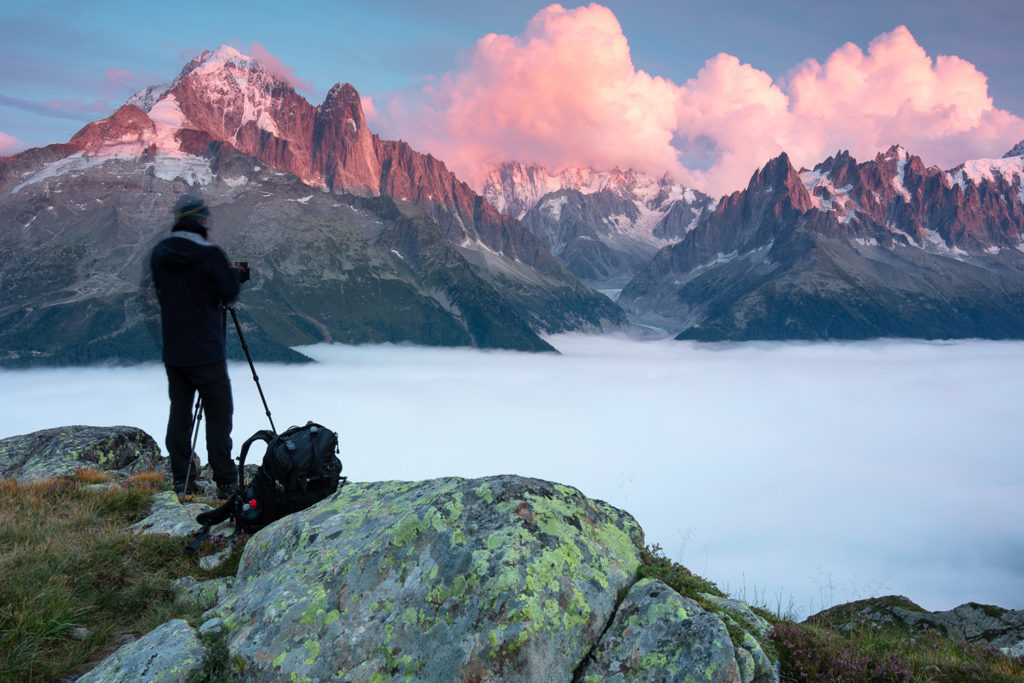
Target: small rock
170	517
215	560
202	595
214	625
1015	651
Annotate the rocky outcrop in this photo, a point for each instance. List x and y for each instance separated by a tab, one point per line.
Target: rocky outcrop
501	578
971	622
48	453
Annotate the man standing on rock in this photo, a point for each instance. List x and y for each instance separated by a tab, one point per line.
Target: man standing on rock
193	282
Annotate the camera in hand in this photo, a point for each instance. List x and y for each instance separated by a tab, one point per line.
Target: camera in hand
244	267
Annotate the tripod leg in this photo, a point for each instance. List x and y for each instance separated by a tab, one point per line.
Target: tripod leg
197	418
255	377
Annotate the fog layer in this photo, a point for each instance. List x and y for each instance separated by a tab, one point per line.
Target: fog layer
794	476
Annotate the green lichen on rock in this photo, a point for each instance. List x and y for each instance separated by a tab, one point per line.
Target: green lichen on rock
167	654
441	580
502	578
201	595
63	450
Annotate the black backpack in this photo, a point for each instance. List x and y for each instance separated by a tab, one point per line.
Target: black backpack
300	468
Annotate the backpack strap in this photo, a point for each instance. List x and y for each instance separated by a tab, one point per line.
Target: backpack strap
263	435
217	515
201	536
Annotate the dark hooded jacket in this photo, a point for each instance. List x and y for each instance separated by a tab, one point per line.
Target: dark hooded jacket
192	278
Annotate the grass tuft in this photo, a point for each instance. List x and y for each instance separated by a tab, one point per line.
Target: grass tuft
654	564
87	475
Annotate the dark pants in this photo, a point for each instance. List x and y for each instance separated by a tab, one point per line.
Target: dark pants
214	387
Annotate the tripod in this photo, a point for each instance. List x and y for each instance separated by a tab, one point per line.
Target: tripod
197	415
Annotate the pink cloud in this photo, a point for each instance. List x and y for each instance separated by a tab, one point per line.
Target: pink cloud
118	80
277	67
565	93
77	109
9	145
895	92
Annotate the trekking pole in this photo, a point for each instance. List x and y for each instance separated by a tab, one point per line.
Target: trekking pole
255	378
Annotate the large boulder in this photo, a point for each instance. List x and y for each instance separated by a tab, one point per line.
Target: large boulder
122	451
501	578
452	579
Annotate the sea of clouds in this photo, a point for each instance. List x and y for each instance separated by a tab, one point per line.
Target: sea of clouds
793	475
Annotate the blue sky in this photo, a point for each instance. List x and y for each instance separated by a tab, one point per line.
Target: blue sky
67	63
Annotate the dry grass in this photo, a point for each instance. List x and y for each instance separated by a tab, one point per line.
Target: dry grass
74	582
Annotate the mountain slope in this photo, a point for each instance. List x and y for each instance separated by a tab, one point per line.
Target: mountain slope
847	250
326	267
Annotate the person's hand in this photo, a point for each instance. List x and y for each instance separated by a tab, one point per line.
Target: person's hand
243	268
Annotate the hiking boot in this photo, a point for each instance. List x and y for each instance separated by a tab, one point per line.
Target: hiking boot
181	490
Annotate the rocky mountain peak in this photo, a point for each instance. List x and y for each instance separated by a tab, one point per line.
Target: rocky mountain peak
342	93
344	104
224	57
895	153
779	178
1017	151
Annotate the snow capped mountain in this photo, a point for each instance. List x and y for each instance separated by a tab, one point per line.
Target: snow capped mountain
225	97
888	247
602	225
1008	170
514	187
420	256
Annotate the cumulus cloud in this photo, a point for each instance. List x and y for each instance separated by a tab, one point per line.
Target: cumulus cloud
565	93
275	66
9	145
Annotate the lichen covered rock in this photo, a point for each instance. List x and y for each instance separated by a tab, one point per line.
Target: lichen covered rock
62	451
754	663
498	578
658	635
168	654
170	517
